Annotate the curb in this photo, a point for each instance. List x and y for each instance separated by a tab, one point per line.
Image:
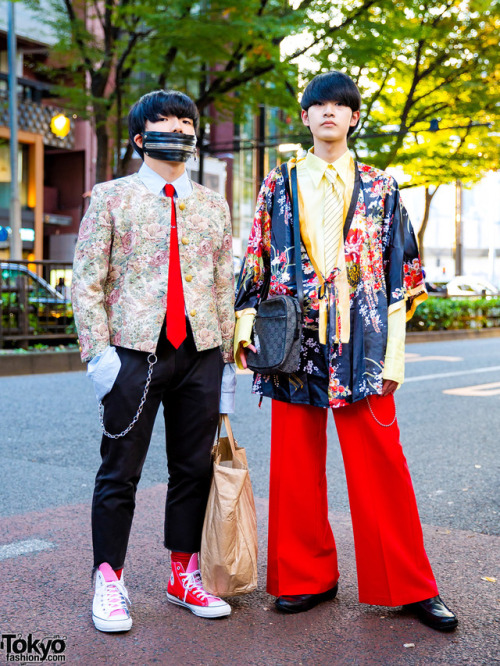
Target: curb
464	334
35	363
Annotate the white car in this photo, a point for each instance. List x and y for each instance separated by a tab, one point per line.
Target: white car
463	285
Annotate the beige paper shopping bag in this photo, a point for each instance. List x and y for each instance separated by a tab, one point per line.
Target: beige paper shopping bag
229	539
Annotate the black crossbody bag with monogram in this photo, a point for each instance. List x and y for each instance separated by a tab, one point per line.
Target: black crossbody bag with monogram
277	330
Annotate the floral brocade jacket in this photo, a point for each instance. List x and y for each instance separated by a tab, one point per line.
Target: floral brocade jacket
120	273
383	271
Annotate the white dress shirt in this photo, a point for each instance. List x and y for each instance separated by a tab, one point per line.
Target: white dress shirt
156	183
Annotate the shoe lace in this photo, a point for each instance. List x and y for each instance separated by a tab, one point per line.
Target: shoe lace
192	583
117	596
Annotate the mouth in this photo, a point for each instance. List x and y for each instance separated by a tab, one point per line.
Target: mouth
329	123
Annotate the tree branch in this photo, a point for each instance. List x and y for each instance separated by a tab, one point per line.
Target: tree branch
332	30
220	87
74	21
375	97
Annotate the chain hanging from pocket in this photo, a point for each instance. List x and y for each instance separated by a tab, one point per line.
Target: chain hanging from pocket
384	425
151	361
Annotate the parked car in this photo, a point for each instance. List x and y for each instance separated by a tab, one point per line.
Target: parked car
48	310
436	287
463	285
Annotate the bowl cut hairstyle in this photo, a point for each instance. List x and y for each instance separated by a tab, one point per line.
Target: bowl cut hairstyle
332	87
156	105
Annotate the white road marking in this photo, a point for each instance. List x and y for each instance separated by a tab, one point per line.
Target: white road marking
411	357
452	374
24	548
478	391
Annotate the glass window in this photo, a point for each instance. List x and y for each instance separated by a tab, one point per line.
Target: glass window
23	173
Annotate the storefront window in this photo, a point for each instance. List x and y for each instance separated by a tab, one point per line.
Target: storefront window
5	177
244	179
273	132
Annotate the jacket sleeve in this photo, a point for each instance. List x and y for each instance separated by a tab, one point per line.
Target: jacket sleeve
224	288
90	270
256	268
403	269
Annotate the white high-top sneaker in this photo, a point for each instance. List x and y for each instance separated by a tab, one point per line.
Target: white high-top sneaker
109	609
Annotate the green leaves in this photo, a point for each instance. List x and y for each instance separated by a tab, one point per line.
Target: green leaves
415	61
444	314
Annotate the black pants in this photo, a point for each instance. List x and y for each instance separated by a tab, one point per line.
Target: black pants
187	382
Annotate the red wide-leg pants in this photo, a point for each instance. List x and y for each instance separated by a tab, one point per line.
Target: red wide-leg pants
392	565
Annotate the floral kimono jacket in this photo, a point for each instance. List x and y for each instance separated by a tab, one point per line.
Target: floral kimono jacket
383	273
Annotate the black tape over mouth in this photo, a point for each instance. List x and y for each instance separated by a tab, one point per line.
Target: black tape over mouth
169	146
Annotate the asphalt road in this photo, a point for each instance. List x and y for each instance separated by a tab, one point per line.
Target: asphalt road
49	438
49	447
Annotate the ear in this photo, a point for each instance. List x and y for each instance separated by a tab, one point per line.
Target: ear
138	140
305	118
355	118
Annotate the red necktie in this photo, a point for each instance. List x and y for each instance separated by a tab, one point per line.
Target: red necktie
176	318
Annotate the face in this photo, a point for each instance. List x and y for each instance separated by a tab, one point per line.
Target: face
168	124
330	121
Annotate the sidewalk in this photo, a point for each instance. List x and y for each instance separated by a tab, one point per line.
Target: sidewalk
49	592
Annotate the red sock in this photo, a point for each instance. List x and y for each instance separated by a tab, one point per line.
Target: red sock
118	573
179	556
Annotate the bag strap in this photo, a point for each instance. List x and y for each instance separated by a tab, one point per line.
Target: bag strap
354	201
296	240
294	200
225	418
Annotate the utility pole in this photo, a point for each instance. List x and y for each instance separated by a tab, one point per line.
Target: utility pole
16	248
261	151
459	251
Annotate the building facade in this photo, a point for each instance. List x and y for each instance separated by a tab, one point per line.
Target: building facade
54	171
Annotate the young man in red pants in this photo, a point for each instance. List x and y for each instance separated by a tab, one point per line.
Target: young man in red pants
362	280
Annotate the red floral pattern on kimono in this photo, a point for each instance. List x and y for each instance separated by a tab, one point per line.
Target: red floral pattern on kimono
384	273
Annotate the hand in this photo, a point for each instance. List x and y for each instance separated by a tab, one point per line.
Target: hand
242	352
388	387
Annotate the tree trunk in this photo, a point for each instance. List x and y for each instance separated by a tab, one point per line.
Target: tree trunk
201	161
98	86
124	162
425	219
102	160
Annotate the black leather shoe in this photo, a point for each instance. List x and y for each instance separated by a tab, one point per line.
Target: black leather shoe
434	613
298	603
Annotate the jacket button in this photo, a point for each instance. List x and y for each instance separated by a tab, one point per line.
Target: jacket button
188	278
182	205
193	313
185	240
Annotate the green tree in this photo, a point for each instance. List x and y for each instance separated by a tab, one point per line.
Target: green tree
226	54
432	159
421	66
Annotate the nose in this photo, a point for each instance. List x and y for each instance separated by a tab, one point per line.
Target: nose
176	125
329	110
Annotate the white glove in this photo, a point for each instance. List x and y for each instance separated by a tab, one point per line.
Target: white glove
228	389
103	369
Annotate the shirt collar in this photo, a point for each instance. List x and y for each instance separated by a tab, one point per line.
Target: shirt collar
317	167
156	183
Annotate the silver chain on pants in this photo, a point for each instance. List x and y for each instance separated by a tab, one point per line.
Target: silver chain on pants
151	361
384	425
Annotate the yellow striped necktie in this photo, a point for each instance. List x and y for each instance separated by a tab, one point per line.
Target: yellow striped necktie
333	217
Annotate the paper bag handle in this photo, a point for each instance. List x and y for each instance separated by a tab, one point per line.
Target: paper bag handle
225	418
